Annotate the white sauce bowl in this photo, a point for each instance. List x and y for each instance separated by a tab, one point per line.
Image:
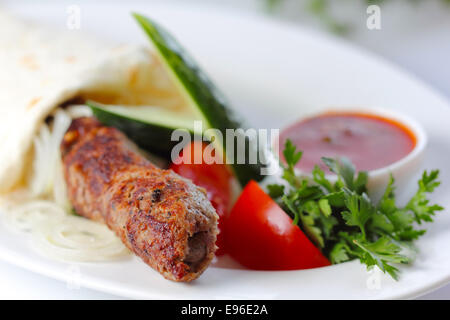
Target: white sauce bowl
402	170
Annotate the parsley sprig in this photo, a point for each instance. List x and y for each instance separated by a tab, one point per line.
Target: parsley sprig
341	219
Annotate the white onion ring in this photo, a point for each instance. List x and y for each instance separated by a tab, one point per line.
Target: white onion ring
77	239
45	211
25	217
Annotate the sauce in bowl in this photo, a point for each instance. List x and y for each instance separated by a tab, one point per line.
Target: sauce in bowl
369	141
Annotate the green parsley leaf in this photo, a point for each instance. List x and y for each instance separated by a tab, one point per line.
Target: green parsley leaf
321	180
275	190
291	155
336	199
339	253
324	206
360	210
344	169
381	253
419	205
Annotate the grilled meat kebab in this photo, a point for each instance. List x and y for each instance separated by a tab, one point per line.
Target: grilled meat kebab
163	218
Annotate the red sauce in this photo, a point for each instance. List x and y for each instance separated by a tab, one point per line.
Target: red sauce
369	141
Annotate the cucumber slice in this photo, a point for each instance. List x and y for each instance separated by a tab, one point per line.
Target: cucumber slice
149	127
205	100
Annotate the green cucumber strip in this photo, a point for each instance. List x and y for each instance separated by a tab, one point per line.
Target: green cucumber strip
204	98
149	127
153	115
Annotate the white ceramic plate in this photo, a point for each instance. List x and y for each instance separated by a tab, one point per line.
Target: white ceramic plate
273	73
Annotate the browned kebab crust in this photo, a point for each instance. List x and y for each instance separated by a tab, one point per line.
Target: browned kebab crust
163	218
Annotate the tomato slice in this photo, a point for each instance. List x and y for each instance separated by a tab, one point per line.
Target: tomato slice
260	235
215	178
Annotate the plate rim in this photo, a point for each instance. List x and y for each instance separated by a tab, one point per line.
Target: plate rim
291	27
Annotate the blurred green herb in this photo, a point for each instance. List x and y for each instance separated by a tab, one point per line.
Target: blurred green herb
321	10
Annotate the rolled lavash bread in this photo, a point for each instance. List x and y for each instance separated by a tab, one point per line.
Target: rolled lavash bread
42	69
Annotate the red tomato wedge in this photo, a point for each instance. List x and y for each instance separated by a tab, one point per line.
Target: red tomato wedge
215	178
260	235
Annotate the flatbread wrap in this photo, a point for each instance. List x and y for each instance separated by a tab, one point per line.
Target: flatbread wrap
46	78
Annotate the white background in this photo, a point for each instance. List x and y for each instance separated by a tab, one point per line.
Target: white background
414	36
